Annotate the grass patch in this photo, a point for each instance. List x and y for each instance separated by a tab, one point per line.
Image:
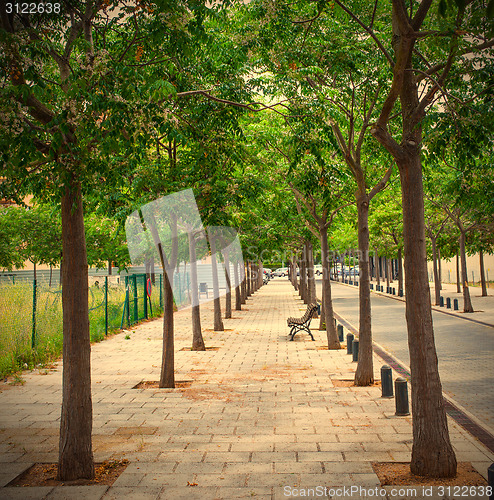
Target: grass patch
16	322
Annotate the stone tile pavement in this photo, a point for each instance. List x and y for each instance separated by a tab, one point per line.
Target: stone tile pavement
261	419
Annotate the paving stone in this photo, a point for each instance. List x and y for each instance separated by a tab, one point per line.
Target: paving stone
93	492
256	493
188	493
132	492
18	493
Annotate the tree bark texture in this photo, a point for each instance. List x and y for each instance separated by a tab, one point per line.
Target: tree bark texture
322	317
75	460
364	374
228	298
386	270
482	274
238	291
432	453
197	340
295	277
248	279
217	321
311	279
400	269
439	268
467	302
437	289
167	376
303	278
331	333
243	287
377	260
458	280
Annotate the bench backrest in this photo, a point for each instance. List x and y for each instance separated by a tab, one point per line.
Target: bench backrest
311	309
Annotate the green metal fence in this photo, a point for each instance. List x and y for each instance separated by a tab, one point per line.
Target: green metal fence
31	315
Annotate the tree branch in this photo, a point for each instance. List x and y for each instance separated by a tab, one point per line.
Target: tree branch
382	183
368	30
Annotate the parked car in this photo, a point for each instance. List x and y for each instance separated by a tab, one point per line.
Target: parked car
281	271
349	271
318	269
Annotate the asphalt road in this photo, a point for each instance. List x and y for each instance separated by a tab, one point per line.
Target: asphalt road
465	349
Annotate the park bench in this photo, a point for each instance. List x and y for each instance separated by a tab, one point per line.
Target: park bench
203	288
303	323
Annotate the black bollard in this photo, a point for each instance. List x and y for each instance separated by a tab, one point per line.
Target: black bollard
355	350
448	302
455	304
386	382
387	289
400	293
401	400
340	333
490	480
371	286
441	301
349	342
394	291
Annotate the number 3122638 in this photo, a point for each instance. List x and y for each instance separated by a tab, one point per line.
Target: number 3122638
32	8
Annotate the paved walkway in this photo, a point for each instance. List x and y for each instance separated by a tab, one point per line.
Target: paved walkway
263	417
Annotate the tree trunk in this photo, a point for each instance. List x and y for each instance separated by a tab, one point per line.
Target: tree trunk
322	317
75	459
364	374
482	274
228	298
400	269
197	340
238	291
458	288
303	278
378	267
354	271
248	279
467	303
311	280
243	288
437	289
110	267
260	274
218	322
167	376
332	335
386	270
295	278
432	453
439	269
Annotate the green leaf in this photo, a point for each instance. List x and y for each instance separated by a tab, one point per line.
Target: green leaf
490	9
